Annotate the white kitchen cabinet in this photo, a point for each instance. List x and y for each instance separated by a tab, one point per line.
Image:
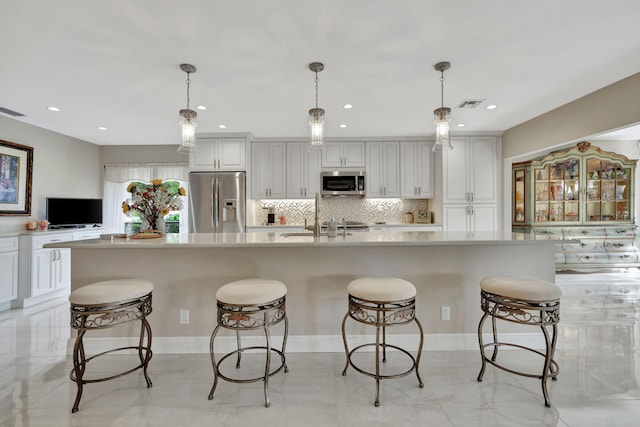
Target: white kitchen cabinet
470	217
383	175
8	268
343	155
268	170
417	173
470	171
214	154
303	171
403	227
45	273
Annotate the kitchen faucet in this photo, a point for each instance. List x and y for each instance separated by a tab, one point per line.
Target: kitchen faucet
315	227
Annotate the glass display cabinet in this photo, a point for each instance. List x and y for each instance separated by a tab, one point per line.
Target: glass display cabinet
582	192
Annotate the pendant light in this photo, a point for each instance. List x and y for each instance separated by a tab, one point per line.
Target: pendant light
316	115
188	118
442	114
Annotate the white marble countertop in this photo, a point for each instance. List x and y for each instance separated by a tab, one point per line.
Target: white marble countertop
275	239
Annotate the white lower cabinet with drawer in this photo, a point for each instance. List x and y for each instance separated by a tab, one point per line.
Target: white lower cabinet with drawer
8	268
45	273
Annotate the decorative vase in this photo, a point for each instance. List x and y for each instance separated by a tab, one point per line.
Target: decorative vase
152	224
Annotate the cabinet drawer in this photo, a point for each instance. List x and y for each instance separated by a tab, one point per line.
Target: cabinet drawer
587	258
86	235
587	245
8	244
619	245
622	232
623	257
40	241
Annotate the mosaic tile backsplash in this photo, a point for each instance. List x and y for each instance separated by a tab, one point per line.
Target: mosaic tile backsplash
350	208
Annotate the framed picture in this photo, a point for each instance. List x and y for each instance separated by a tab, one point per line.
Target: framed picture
16	174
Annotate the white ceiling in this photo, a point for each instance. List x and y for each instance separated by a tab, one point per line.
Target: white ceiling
116	63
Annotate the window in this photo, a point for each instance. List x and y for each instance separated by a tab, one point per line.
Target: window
118	177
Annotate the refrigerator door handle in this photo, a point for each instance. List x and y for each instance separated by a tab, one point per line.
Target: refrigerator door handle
214	204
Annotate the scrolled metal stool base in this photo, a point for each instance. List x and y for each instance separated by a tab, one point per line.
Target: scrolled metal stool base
545	314
248	317
101	316
382	314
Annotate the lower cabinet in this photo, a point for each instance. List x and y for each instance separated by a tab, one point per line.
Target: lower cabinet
599	247
8	268
45	273
470	218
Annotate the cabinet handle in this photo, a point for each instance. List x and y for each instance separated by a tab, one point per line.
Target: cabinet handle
415	191
471	196
305	191
419	190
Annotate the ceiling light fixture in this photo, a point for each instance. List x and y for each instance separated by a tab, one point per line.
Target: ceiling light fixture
442	114
188	118
348	106
52	108
343	126
316	115
492	107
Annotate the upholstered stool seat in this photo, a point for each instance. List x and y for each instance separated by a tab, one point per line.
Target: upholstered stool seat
382	302
104	305
245	305
525	301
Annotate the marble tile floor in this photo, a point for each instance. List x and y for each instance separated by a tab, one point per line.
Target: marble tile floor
597	386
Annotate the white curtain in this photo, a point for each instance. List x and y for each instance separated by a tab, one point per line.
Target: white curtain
118	177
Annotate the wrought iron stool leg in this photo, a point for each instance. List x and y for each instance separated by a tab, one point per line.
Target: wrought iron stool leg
284	342
481	342
420	383
213	361
267	402
377	401
239	345
554	340
495	338
79	364
346	347
547	366
145	329
384	344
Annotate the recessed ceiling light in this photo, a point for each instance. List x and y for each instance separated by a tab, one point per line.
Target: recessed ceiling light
492	107
348	106
201	107
461	125
222	126
52	108
102	128
343	126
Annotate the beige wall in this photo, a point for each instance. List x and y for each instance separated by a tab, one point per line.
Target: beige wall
62	167
612	107
125	154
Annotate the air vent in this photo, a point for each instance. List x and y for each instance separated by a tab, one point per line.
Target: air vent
470	103
10	112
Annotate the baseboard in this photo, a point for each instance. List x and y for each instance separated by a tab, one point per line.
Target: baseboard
308	343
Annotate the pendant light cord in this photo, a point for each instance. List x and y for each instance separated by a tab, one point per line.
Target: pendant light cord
188	84
317	80
442	89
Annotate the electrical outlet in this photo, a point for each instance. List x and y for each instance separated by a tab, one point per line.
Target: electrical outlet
184	317
445	313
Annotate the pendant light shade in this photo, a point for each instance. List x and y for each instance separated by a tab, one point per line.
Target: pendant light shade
188	118
442	115
316	115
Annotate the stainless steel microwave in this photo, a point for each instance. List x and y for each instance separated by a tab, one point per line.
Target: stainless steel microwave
343	183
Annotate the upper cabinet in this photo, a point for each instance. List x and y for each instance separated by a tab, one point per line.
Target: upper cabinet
268	170
582	185
218	153
416	170
470	172
343	155
303	171
382	172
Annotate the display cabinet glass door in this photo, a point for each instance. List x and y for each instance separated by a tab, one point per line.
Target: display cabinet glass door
608	191
519	200
557	192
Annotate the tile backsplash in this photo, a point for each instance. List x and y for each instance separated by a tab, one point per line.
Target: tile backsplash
350	208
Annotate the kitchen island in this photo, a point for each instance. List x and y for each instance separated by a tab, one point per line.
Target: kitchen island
187	269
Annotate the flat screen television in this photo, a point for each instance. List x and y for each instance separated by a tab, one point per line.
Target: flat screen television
72	212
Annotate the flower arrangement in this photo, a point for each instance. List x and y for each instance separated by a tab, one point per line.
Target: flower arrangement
153	201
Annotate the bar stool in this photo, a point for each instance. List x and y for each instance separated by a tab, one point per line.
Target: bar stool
527	302
382	302
245	305
105	305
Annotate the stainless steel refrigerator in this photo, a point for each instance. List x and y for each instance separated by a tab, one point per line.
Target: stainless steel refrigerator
217	202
